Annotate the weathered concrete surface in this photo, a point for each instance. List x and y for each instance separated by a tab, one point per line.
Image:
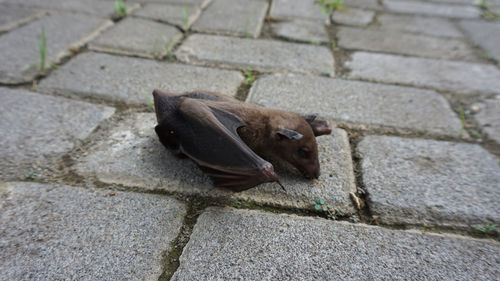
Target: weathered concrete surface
180	15
231	244
489	117
301	30
262	55
296	9
484	34
14	16
36	128
131	80
432	9
359	105
233	17
459	77
421	25
428	182
133	156
390	41
95	7
61	232
134	36
62	31
350	16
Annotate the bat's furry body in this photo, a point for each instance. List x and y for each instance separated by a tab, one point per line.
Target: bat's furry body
225	137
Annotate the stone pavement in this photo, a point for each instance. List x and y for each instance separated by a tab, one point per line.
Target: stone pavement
410	183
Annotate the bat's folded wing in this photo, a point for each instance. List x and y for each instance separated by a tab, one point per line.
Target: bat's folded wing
209	136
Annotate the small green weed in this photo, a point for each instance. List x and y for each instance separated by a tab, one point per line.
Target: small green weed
319	205
464	128
147	97
238	203
483	4
250	75
186	16
120	8
42	47
168	45
31	176
488	228
329	6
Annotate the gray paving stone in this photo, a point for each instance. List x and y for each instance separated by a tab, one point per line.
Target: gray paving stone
134	36
359	105
484	34
301	30
133	156
390	41
262	55
201	3
36	128
95	7
428	182
229	244
180	15
233	17
14	16
432	9
62	31
296	9
350	16
375	5
420	25
489	117
68	233
460	77
131	80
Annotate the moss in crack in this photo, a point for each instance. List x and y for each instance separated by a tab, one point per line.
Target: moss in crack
250	77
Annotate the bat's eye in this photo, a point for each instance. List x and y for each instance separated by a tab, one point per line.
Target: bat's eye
304	152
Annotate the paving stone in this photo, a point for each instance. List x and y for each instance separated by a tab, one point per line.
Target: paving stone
233	17
301	30
180	15
95	7
229	244
391	41
350	16
358	105
131	80
134	36
489	117
432	9
428	182
262	55
460	77
375	5
421	25
133	156
57	232
36	128
14	16
201	3
484	34
62	32
296	9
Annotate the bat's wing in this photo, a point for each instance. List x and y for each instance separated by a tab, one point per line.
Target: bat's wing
209	136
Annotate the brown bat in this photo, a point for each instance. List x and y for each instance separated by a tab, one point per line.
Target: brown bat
225	137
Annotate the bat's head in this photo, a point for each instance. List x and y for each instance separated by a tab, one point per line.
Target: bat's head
295	142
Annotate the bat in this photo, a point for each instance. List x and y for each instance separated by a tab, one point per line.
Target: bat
226	137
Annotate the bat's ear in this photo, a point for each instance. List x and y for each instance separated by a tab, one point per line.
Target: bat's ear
289	134
319	127
161	101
